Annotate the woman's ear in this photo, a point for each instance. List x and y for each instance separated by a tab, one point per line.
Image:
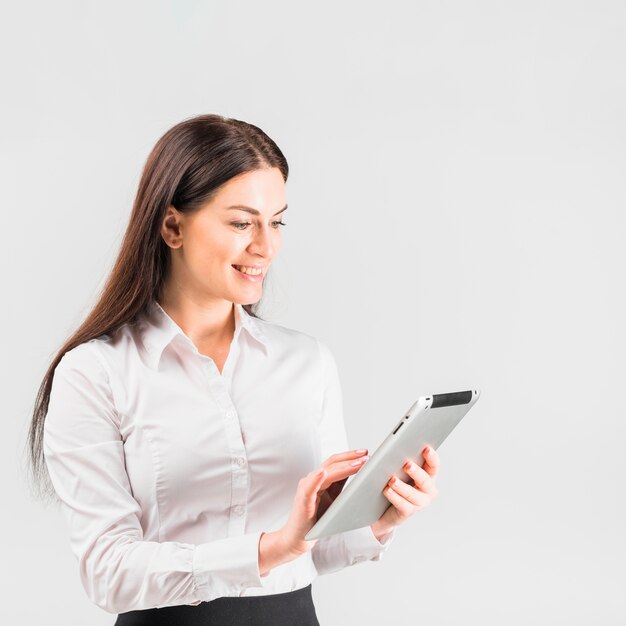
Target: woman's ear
171	227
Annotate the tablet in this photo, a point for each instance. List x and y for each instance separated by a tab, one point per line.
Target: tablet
428	422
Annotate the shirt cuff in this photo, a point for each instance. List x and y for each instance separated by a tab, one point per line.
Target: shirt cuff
226	567
363	542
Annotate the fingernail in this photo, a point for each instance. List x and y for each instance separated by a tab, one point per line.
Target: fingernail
359	461
361	451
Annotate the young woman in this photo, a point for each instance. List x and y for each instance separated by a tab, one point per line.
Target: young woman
192	445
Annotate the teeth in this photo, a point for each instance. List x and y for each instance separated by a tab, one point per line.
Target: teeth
249	270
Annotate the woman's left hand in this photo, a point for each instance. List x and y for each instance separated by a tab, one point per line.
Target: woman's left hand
407	498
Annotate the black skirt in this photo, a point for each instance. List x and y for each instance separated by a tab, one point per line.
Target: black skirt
280	609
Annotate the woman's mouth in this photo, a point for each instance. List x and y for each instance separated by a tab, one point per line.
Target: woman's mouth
251	274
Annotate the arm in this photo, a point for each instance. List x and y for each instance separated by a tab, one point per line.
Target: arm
119	570
354	546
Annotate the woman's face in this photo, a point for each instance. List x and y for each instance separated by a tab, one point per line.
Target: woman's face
208	243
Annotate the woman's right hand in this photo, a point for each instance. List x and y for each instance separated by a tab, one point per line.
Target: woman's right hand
315	493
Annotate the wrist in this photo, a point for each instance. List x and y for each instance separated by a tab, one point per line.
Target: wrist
379	529
293	548
273	551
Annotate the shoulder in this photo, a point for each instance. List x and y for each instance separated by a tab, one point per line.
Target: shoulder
290	341
104	354
80	401
85	357
81	375
98	356
285	337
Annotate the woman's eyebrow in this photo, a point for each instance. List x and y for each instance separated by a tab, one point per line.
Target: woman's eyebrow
242	207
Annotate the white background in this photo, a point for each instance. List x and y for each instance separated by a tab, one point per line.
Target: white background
456	219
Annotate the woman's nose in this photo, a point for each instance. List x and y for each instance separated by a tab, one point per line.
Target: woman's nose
263	243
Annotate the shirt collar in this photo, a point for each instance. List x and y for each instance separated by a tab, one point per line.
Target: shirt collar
160	329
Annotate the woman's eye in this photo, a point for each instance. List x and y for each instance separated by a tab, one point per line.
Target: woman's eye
242	225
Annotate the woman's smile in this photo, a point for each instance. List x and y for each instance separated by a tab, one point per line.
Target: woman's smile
248	273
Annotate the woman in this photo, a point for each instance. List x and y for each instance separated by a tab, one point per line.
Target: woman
192	444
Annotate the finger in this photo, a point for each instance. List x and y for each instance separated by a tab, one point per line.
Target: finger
358	462
421	478
341	470
411	494
431	465
404	507
343	456
316	481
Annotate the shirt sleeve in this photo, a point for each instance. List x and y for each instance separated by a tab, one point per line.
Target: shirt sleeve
119	570
335	552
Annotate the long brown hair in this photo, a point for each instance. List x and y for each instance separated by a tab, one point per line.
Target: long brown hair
186	167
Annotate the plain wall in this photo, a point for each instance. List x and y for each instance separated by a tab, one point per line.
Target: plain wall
456	219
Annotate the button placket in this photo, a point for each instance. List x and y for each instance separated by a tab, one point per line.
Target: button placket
239	476
239	482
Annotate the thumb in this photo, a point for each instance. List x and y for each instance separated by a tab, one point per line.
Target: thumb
316	482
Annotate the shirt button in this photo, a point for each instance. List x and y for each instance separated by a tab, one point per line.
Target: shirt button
241	461
238	510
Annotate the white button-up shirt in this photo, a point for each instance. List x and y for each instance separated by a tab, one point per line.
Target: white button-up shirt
168	471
